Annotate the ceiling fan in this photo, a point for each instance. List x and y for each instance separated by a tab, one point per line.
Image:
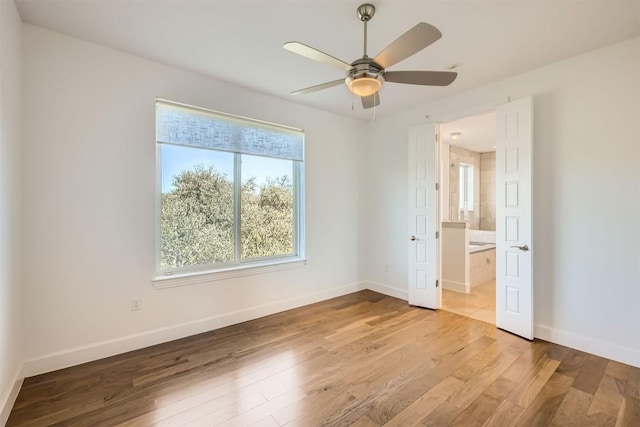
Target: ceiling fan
365	76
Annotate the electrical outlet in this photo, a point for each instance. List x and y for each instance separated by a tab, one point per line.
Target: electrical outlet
136	304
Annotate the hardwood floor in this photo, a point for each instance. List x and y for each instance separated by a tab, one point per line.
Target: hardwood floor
362	360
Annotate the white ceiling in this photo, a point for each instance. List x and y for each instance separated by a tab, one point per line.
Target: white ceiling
477	133
240	41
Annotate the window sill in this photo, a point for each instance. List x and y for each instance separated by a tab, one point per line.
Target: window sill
192	278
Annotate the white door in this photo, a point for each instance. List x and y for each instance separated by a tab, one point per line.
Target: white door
423	218
514	245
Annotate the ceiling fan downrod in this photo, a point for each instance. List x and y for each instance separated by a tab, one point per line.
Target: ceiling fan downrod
365	13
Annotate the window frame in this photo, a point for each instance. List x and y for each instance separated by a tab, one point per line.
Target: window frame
238	267
466	205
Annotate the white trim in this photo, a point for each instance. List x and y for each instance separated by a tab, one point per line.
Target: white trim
99	350
600	348
192	278
237	210
391	291
10	398
451	285
300	190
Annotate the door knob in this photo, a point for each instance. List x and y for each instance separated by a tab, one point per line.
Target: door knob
414	238
523	248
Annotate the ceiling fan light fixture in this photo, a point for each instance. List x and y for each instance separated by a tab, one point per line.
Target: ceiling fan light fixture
364	86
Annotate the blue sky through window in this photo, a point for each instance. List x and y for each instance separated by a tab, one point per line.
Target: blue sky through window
175	159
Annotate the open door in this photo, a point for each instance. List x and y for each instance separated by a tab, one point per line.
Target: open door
423	218
514	261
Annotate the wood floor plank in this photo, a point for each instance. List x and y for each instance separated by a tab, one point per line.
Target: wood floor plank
632	388
527	390
572	363
504	415
266	422
543	408
364	421
477	412
422	380
312	410
443	415
557	352
221	407
528	363
373	361
409	381
363	359
573	409
500	388
629	414
425	404
477	384
618	370
607	399
458	402
259	412
590	375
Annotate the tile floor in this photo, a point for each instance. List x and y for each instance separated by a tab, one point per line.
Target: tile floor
479	304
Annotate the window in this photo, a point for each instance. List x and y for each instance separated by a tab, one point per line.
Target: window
231	191
466	187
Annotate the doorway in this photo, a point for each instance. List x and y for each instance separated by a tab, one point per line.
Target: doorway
514	219
467	200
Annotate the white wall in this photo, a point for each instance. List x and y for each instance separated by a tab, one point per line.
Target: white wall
586	196
90	204
10	190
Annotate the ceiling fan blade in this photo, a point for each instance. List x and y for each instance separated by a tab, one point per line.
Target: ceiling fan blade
371	100
427	78
318	87
413	41
316	55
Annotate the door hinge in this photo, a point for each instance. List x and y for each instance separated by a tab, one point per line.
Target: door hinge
437	137
437	283
437	234
437	186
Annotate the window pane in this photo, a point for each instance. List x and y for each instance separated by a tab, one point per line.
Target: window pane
466	187
462	187
196	220
470	201
267	212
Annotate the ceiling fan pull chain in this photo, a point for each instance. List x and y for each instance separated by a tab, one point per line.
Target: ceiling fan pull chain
353	101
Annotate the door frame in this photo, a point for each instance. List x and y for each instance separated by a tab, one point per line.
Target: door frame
450	116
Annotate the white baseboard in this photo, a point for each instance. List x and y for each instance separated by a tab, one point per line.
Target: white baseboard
88	353
78	355
10	398
391	291
455	286
600	348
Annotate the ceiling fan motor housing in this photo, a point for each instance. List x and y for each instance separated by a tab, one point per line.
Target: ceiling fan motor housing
364	67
